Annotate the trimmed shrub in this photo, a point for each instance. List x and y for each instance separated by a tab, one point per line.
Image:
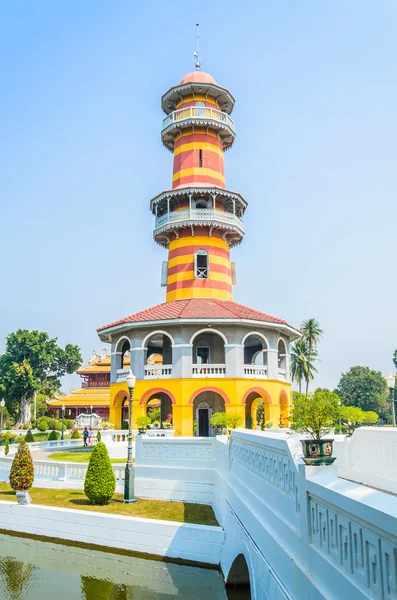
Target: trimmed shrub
52	423
69	423
100	482
43	418
54	435
26	426
7	445
22	470
75	435
42	426
29	437
59	426
98	436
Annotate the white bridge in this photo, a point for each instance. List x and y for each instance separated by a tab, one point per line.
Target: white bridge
290	531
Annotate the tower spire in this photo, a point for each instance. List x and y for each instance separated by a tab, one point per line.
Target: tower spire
196	54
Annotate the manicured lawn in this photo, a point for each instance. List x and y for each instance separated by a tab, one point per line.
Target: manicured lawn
149	509
81	457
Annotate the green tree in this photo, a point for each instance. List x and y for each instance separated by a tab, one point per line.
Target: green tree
312	333
100	482
33	363
315	413
395	358
365	388
302	369
22	470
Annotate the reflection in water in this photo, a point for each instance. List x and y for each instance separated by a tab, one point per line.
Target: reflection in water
32	570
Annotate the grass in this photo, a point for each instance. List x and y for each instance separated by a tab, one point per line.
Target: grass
82	456
181	512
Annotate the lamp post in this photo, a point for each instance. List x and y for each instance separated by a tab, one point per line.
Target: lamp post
63	415
391	382
92	408
129	468
2	404
340	420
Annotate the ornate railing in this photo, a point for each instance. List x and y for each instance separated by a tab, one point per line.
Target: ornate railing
199	113
122	374
282	374
208	370
255	371
200	216
158	371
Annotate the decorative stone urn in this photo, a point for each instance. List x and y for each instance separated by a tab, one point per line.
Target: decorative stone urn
318	452
221	430
23	497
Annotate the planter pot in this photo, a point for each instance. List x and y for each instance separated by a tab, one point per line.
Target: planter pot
23	497
141	430
318	452
221	430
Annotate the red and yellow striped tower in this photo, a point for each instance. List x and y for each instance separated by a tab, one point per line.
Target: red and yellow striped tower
198	219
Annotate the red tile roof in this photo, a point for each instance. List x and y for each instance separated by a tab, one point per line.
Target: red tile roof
196	308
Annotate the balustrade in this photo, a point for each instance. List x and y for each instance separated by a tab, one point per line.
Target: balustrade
158	371
208	370
255	371
201	114
200	215
122	374
282	374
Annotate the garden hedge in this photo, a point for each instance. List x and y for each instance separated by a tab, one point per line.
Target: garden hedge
100	482
22	470
54	435
42	426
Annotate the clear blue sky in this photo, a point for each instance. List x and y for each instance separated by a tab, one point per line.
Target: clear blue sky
315	156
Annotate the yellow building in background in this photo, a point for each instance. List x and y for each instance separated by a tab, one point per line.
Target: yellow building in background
200	352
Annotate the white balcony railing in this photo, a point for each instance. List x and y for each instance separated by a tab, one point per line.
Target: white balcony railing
208	370
199	113
158	371
282	374
255	371
200	216
122	374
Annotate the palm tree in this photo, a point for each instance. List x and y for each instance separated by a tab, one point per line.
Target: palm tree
299	355
312	334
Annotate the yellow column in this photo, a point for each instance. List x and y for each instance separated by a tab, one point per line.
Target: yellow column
183	419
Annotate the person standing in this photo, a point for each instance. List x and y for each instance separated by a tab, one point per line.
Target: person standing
85	436
90	435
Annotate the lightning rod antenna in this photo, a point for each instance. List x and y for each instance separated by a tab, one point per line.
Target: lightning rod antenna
196	54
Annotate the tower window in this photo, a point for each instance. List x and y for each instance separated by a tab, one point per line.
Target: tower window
203	355
201	264
200	158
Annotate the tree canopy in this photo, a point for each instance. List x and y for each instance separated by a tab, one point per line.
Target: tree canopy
33	363
304	353
365	388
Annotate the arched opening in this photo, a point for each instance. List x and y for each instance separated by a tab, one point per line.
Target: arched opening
282	359
257	411
204	406
255	355
159	409
119	411
238	583
208	349
158	356
122	357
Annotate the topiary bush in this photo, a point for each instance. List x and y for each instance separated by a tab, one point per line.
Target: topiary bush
52	423
75	435
100	482
42	426
59	426
7	445
69	423
98	436
22	470
29	437
54	435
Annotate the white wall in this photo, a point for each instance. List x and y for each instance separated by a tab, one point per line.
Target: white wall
199	543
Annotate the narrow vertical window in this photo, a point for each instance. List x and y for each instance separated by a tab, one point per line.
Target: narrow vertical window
201	264
200	158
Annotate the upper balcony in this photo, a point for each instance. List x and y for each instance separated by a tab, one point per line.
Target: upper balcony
199	217
201	116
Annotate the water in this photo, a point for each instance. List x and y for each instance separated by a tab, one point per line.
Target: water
33	570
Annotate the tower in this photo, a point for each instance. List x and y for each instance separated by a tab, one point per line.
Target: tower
199	353
198	219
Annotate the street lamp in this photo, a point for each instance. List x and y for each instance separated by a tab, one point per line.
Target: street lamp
92	408
129	468
391	382
63	415
2	404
